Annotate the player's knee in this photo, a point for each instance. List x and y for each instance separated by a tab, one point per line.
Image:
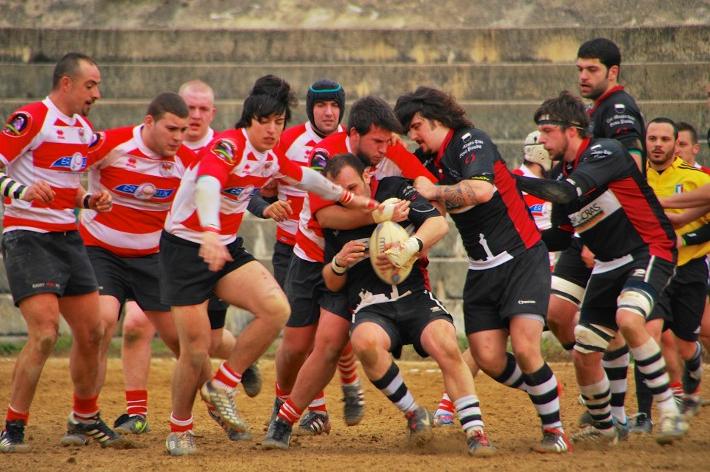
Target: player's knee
362	343
276	306
591	338
44	339
137	329
635	300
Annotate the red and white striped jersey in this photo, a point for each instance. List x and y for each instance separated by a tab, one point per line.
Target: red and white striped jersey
40	142
399	162
142	185
296	144
241	169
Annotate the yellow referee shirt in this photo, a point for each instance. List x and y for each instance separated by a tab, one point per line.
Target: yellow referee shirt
681	177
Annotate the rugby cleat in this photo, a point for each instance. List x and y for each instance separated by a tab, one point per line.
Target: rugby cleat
443	419
131	424
640	423
223	401
232	434
691	405
314	423
275	410
554	440
251	380
671	428
478	444
419	424
593	434
181	444
96	430
12	438
354	404
278	435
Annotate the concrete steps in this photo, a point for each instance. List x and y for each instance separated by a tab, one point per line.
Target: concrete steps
643	44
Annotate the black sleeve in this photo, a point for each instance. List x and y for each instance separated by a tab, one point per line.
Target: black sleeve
332	245
556	239
257	204
555	191
603	162
698	236
622	121
475	156
419	207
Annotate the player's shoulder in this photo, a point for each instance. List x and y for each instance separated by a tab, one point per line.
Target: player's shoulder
292	133
335	143
227	146
26	118
620	102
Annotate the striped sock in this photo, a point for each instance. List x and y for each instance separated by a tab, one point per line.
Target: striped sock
446	406
542	390
394	388
226	377
597	397
289	412
616	365
137	402
180	426
281	394
84	409
693	371
652	367
512	376
347	366
14	415
318	403
469	412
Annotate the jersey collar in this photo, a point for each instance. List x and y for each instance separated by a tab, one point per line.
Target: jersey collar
582	147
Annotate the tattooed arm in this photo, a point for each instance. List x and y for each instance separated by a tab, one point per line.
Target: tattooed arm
462	195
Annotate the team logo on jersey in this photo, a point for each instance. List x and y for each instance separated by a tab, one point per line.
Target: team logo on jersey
166	168
226	150
60	134
537	208
319	159
18	124
238	193
619	107
75	163
97	140
144	191
82	135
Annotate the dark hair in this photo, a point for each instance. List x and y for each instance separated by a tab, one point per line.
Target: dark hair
431	104
69	66
663	119
566	111
336	163
270	95
685	126
603	49
324	90
168	102
372	111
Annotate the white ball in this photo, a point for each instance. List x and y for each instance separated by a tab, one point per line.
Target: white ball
382	238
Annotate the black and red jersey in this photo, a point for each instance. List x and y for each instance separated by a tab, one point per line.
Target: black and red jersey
500	229
617	213
615	115
364	287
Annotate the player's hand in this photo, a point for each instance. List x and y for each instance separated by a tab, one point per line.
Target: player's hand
395	139
213	252
401	254
269	189
279	211
392	209
101	201
384	264
39	190
425	188
351	200
351	253
587	257
401	211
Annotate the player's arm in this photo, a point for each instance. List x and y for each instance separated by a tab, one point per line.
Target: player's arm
10	188
695	198
339	217
335	272
98	201
559	236
555	191
678	220
268	208
697	236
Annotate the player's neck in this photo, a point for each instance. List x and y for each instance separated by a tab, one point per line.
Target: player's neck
61	104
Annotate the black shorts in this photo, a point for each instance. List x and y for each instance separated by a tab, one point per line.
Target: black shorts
217	311
682	303
520	286
185	278
404	320
570	269
307	294
643	272
46	263
128	278
280	260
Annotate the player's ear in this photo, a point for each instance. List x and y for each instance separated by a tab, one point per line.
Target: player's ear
613	73
149	121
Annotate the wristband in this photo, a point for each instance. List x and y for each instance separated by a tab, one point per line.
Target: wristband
10	188
420	242
85	202
346	197
339	270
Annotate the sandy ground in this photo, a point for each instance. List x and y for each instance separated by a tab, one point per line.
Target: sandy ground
378	443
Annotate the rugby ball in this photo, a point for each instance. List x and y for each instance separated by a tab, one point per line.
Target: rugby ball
383	237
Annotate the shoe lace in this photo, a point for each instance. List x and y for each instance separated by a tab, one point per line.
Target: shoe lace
98	426
352	396
478	438
315	422
281	430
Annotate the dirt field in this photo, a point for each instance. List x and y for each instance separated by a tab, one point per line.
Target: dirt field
379	443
